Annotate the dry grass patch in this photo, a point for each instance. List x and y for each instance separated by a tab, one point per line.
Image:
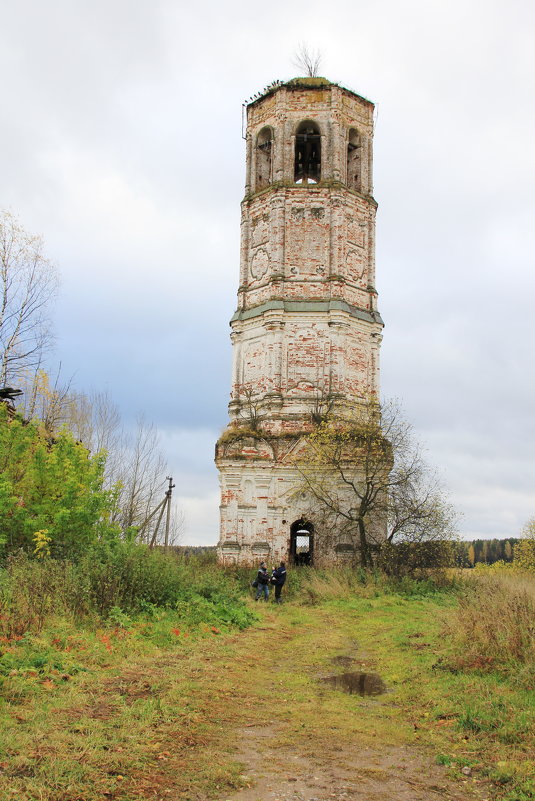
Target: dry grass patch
493	627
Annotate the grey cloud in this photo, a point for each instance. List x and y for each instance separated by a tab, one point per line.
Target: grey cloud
122	145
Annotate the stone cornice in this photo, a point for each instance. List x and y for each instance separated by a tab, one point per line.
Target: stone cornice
288	187
307	306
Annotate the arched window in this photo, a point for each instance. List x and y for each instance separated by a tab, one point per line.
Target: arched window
307	154
264	143
354	160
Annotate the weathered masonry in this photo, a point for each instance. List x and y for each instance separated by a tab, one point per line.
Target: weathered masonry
306	333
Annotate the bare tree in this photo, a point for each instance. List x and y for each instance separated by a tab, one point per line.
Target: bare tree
323	404
176	530
135	466
144	475
308	60
28	283
178	525
250	407
366	483
93	419
48	399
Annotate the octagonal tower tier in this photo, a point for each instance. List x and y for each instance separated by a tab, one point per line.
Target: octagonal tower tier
306	333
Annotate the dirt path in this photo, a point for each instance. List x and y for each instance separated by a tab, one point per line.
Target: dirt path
247	716
364	774
311	741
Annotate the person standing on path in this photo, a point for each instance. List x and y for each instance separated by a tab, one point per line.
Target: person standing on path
262	578
278	578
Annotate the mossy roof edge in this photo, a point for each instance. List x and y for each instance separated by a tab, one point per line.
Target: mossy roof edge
306	83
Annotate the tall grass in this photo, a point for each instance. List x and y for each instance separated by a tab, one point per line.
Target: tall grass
33	591
516	580
313	586
493	627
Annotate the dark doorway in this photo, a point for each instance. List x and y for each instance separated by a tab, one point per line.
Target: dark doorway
301	543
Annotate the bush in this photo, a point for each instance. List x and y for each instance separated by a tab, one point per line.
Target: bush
416	559
114	579
499	566
431	583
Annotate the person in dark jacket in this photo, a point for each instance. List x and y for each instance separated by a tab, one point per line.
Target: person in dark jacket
262	578
278	578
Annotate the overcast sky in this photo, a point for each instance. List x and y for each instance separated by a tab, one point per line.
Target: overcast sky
120	143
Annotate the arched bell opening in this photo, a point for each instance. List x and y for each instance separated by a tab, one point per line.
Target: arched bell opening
307	168
264	157
354	160
301	543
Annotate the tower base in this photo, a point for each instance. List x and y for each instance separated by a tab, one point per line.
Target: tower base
265	514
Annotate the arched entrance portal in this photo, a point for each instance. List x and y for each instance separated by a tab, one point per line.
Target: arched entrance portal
301	543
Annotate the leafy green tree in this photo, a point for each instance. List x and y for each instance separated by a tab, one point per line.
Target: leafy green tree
51	485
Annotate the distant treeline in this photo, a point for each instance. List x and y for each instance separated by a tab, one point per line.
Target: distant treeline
469	553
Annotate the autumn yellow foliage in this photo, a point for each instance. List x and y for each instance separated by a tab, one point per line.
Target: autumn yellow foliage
524	550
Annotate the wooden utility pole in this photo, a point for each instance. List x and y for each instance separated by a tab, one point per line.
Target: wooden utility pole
162	506
168	518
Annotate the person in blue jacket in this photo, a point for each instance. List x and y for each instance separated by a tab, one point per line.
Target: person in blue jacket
278	578
262	579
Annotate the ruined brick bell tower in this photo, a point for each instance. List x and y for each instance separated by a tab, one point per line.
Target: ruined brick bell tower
306	333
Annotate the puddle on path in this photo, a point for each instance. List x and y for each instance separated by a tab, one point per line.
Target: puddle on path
357	683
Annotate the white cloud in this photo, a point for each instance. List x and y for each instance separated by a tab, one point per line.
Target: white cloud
201	519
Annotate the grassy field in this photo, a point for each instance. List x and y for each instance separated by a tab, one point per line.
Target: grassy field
151	704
